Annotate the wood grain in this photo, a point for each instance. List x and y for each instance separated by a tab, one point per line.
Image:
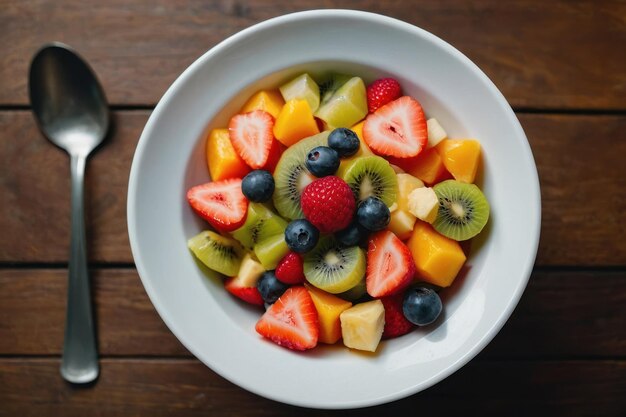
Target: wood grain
579	159
556	54
566	314
186	388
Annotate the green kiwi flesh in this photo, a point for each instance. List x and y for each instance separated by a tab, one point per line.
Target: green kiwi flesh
463	210
219	253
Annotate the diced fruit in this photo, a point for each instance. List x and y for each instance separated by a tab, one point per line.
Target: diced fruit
250	271
344	141
221	203
301	236
248	294
270	101
421	306
328	203
370	176
270	287
258	186
463	210
435	132
390	267
222	159
295	122
328	307
362	325
355	293
252	137
428	166
424	204
381	92
346	106
352	235
395	322
461	158
261	223
330	85
334	268
373	214
289	269
291	176
406	184
219	253
401	224
271	250
292	321
438	259
302	87
397	129
322	161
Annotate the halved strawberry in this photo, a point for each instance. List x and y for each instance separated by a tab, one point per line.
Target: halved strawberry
221	203
395	322
291	321
397	129
248	294
390	266
290	269
252	137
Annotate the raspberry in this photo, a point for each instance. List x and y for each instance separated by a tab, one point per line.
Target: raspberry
381	92
328	203
289	269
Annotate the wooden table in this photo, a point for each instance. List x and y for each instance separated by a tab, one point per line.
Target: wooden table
561	65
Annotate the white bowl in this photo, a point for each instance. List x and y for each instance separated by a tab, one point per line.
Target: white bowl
219	330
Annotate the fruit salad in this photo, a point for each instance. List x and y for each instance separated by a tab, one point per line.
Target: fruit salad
337	208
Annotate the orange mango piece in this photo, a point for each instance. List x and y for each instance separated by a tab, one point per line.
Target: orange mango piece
270	101
294	122
328	307
222	159
428	166
438	259
460	157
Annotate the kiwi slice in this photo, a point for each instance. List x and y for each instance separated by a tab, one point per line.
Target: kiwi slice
355	293
291	175
334	268
261	223
219	253
371	176
346	106
463	210
271	250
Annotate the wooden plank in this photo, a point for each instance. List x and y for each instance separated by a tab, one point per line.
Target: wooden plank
579	159
186	388
556	54
565	314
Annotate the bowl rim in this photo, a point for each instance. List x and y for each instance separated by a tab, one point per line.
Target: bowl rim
374	18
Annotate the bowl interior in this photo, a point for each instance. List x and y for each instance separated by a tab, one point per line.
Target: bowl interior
170	158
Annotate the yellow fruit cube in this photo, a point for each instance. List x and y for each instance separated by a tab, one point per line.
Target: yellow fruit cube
328	307
406	184
294	122
270	101
435	132
362	325
401	224
461	158
424	204
438	259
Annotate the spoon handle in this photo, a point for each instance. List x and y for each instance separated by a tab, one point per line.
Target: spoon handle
80	356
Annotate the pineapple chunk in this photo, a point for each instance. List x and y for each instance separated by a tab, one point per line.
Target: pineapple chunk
435	132
328	307
424	204
362	325
250	271
406	184
402	223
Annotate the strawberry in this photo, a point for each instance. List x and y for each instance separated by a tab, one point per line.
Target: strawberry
252	137
290	269
390	266
395	322
221	203
397	129
291	321
328	203
381	92
248	294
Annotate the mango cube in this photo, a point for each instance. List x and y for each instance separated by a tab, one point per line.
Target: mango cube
328	307
294	122
461	158
438	259
270	101
222	159
428	166
362	325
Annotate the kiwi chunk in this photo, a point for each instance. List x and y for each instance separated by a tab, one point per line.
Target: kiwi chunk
302	87
271	250
330	84
355	293
219	253
291	175
371	176
261	223
463	210
334	268
345	106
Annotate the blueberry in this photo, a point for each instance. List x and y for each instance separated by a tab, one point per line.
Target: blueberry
301	236
258	186
322	161
421	306
373	214
270	287
352	235
344	141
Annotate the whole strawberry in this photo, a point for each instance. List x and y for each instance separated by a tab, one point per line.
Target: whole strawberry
328	203
381	92
289	269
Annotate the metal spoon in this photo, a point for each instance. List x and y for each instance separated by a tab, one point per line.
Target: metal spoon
72	112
